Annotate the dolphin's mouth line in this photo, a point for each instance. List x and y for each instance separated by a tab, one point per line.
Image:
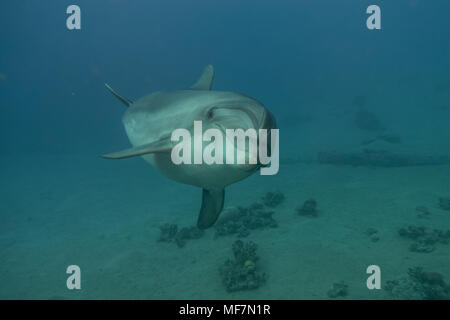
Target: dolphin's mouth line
252	117
221	127
268	121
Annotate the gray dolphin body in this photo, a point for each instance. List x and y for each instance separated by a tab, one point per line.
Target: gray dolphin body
150	121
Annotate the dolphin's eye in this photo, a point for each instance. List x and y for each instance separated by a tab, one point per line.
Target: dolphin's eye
210	114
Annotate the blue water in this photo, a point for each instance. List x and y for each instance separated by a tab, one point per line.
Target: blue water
313	64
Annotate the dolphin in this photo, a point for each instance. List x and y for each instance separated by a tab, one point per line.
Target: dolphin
150	121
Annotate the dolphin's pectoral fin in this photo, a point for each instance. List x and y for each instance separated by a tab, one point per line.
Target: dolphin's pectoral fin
206	79
163	145
118	96
212	205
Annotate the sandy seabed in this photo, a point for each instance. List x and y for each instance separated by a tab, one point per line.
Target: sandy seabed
62	210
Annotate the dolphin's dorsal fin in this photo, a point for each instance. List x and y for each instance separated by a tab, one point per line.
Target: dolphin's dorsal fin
212	205
163	145
206	79
118	96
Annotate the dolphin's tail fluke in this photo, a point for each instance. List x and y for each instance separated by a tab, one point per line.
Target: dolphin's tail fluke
212	205
118	96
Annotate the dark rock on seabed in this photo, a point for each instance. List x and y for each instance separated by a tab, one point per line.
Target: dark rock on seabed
308	209
241	273
419	285
171	233
380	158
339	289
424	240
242	220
